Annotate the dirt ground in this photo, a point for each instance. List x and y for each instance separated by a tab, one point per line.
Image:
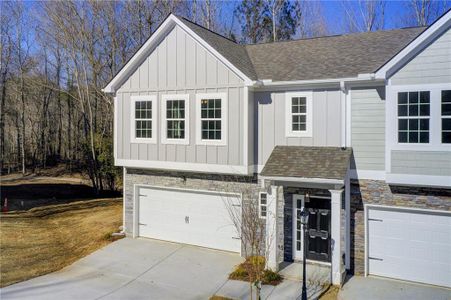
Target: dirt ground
48	238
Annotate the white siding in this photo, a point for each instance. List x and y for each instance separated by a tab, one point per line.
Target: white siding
270	120
179	65
432	65
436	163
368	128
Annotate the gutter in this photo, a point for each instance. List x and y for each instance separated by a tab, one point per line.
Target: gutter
341	82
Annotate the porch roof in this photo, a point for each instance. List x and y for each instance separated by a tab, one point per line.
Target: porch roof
323	163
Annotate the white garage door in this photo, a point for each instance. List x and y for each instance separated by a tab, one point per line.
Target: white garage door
410	245
196	218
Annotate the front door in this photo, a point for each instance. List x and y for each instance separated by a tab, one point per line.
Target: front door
318	242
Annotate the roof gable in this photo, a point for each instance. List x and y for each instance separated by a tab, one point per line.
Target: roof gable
415	46
163	30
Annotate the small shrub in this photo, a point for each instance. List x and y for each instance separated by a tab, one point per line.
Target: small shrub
241	272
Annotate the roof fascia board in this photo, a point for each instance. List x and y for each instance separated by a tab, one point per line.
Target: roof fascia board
154	39
412	49
318	83
303	179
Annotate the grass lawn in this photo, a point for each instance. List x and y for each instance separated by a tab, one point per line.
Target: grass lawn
48	238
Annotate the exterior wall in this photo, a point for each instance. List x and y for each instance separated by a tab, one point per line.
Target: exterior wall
379	192
270	122
421	162
179	65
233	184
368	128
432	65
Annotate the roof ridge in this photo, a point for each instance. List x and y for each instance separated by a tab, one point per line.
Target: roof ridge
336	35
205	28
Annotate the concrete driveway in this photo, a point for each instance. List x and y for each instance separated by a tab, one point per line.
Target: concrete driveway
134	269
376	288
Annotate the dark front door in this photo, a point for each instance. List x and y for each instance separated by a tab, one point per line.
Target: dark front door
318	235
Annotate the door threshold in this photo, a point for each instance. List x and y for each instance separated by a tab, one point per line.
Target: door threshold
314	262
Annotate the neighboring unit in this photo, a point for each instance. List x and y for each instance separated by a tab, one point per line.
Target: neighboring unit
354	128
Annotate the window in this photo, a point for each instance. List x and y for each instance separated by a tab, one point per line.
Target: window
263	204
446	116
298	114
143	118
211	109
413	117
175	119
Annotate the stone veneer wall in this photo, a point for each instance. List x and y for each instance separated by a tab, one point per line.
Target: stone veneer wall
246	185
379	192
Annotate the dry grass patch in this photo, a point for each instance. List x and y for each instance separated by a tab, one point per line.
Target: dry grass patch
46	239
331	293
241	272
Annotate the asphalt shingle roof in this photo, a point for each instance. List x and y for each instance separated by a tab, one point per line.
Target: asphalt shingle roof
308	162
315	58
235	53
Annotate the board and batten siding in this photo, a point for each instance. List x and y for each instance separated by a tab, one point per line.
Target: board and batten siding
270	122
368	128
436	163
432	65
180	65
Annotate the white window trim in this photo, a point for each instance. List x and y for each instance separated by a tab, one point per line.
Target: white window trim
164	99
435	143
224	118
288	115
260	205
408	118
441	118
133	138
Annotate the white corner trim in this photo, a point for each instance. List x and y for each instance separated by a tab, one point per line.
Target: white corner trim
115	126
419	180
182	166
246	126
133	138
163	134
309	114
409	51
366	174
224	119
153	40
349	118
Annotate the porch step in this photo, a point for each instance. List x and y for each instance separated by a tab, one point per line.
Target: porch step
315	272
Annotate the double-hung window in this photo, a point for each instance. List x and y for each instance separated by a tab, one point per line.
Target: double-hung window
143	119
175	119
211	118
446	116
263	205
298	114
413	117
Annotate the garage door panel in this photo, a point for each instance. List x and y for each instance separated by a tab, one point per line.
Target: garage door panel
188	217
410	246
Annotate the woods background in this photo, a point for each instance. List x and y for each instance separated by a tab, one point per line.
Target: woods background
57	56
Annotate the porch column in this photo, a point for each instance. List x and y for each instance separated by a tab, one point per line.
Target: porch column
348	221
336	235
271	229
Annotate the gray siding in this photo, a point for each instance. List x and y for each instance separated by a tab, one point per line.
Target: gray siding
179	65
270	120
421	162
368	128
432	65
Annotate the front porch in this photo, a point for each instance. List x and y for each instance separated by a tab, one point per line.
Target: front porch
315	179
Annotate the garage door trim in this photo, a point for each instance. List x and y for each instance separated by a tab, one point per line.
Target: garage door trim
367	207
136	195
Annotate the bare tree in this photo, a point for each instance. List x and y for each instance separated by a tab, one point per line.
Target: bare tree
364	15
423	12
241	200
